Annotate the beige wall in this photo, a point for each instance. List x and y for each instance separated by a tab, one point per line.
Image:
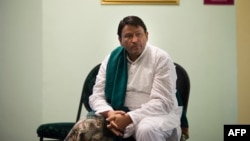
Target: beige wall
48	46
243	44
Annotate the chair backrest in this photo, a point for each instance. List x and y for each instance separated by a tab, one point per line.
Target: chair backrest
183	87
87	90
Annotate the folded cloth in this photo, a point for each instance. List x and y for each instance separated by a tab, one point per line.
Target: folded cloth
116	79
91	128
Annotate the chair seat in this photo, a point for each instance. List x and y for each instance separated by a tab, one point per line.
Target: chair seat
55	130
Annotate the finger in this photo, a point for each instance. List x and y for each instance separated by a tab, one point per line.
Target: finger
120	112
116	132
114	115
110	118
112	124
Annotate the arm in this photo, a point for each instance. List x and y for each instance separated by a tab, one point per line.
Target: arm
97	100
99	104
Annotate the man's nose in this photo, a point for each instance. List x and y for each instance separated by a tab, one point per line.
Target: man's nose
135	38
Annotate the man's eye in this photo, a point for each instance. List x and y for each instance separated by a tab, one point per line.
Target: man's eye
128	36
138	34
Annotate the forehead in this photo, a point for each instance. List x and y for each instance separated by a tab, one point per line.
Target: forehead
131	29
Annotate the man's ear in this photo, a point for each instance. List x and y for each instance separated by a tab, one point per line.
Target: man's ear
146	35
120	39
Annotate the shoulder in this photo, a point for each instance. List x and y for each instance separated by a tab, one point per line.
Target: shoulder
158	52
160	58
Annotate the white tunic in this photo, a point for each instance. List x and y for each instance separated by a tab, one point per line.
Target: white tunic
151	87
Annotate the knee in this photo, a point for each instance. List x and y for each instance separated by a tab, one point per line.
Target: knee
144	130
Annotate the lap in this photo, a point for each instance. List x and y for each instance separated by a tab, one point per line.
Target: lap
94	127
158	128
162	123
91	128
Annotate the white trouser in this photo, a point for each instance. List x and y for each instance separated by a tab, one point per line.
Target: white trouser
160	128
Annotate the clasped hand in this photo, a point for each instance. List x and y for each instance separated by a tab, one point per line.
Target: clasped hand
117	122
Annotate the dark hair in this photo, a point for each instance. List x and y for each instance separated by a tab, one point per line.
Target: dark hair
131	20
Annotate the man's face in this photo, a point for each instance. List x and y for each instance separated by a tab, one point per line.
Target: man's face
134	40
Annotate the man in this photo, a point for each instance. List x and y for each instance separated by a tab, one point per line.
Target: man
135	88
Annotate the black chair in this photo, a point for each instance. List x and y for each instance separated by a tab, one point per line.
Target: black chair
60	130
183	90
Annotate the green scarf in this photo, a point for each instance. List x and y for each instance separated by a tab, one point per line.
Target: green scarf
116	79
